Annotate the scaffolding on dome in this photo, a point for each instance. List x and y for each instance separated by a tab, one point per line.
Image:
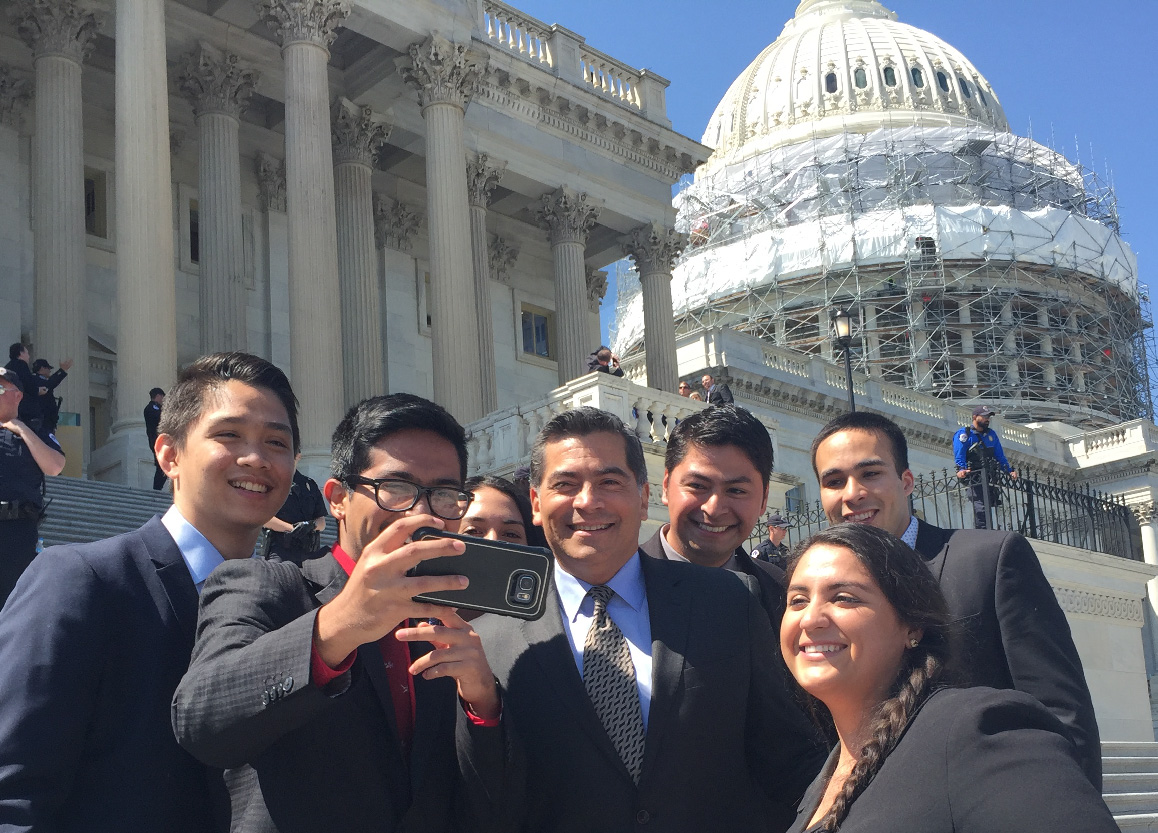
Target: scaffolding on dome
978	265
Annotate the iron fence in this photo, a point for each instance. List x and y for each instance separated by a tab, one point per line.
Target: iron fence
1039	507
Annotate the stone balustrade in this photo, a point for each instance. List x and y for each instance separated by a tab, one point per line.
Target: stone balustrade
523	35
611	78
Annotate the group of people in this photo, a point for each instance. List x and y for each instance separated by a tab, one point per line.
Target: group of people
167	680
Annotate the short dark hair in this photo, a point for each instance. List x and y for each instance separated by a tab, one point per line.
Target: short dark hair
872	423
517	493
582	422
372	420
186	400
721	426
15	350
156	392
603	353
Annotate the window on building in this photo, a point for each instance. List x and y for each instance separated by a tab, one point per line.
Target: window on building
964	87
860	78
918	77
538	327
830	82
890	77
96	203
943	81
981	93
794	499
926	252
194	233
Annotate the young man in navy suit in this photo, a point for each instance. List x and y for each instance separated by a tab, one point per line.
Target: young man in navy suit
95	637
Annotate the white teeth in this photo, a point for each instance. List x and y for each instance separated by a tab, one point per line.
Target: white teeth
590	527
860	516
248	486
707	528
821	649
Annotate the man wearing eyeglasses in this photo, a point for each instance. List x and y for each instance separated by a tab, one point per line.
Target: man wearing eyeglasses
309	685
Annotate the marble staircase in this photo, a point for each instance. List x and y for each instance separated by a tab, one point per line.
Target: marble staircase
1130	783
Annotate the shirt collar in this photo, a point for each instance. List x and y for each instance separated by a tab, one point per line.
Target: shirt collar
343	558
732	563
627	584
910	536
199	555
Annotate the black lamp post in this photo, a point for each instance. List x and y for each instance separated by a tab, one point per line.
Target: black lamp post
844	341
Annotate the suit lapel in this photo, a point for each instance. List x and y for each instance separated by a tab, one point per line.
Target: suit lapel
669	605
931	545
179	603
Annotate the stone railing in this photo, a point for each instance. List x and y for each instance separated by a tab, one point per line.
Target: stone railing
510	29
611	77
1130	438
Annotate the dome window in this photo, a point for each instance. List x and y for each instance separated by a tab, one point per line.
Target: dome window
891	77
860	78
918	77
830	82
943	81
964	87
981	93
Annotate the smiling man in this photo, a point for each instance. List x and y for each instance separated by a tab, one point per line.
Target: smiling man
645	694
1013	632
715	487
96	636
302	685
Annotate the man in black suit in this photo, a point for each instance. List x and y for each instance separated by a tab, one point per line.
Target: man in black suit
96	636
645	694
49	380
302	686
716	393
1015	634
152	414
715	487
30	383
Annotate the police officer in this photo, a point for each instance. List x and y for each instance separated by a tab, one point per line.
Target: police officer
152	420
294	532
977	450
25	457
773	550
30	384
48	380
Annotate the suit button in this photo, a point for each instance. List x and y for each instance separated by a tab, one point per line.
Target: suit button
643	817
288	684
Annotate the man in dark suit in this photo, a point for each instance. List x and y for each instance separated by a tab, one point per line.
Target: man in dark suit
1015	634
50	380
645	693
716	393
95	637
715	487
302	686
152	414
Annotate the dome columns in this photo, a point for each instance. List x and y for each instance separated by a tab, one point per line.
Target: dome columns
654	248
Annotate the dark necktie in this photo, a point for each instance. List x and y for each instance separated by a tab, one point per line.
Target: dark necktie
609	677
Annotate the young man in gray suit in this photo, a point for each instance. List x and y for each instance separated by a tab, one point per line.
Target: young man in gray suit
1014	633
646	694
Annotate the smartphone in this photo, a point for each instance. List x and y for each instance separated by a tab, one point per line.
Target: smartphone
507	579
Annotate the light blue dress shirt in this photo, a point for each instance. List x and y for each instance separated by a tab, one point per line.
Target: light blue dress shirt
627	609
199	555
910	536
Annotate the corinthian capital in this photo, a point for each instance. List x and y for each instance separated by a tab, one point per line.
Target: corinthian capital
395	224
56	27
502	256
215	81
358	132
596	288
1144	513
443	72
15	94
566	216
304	21
270	181
654	248
481	178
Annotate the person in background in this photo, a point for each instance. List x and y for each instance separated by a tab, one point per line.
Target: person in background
866	635
294	532
152	420
499	511
716	393
49	404
772	550
30	385
685	388
978	454
604	361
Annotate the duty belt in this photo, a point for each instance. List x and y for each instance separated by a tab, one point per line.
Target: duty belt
12	510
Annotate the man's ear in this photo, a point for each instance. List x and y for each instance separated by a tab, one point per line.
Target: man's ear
536	509
663	487
336	495
168	456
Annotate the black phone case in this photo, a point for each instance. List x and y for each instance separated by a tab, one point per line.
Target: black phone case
491	566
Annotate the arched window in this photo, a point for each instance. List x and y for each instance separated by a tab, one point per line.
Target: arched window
926	252
830	82
918	77
981	93
943	81
964	87
890	77
860	78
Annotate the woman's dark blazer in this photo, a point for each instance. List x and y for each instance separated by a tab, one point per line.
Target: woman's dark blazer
975	760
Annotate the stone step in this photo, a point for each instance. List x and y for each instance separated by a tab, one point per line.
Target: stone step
1128	803
1129	782
1126	748
1137	821
1148	764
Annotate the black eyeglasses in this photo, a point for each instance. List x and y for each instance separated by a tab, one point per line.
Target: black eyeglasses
446	502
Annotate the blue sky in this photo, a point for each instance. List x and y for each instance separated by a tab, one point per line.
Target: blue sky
1068	68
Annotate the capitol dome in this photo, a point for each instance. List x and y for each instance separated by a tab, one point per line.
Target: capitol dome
848	66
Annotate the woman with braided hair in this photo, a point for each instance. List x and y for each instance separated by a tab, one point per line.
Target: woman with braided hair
867	637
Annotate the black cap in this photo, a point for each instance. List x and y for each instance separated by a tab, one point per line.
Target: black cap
39	363
9	377
780	521
983	410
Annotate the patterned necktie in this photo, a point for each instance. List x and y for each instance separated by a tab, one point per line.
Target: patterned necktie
609	677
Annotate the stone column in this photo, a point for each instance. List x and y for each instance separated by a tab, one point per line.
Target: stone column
358	133
60	33
305	29
654	250
1147	516
218	86
270	174
568	218
15	238
447	76
481	179
596	290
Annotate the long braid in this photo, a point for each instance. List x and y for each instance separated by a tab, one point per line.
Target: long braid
892	716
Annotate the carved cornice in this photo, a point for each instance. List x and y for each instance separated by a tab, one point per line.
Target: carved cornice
1145	512
481	178
395	224
270	181
357	132
215	81
15	93
56	27
304	21
654	248
443	72
566	216
1102	605
502	256
596	288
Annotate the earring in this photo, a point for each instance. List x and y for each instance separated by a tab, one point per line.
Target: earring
914	642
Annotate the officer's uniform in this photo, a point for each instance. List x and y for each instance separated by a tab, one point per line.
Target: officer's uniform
31	383
21	505
49	406
965	438
769	553
303	504
152	416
